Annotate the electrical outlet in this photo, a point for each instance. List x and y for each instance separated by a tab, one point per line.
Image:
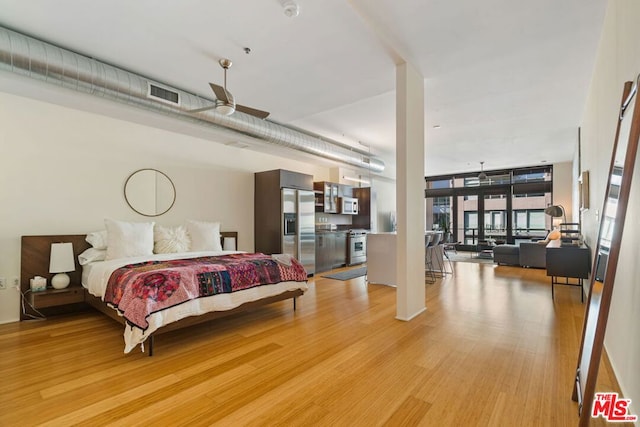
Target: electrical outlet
3	283
16	283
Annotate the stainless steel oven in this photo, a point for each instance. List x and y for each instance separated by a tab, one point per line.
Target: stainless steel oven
357	246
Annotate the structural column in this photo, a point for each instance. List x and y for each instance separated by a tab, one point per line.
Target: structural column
410	185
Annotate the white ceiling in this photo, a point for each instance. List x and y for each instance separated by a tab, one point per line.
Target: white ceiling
506	80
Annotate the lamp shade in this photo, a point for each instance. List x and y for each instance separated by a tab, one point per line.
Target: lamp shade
61	260
554	211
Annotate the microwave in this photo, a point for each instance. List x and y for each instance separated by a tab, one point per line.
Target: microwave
348	205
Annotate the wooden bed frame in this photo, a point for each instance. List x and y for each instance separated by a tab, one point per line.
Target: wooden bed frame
35	255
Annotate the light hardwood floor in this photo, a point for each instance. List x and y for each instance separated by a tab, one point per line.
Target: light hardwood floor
491	349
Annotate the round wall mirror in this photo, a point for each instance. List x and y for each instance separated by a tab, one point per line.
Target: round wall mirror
149	192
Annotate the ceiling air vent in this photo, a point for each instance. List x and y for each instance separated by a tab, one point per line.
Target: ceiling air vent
163	94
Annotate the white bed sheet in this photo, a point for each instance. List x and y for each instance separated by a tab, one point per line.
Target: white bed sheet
95	277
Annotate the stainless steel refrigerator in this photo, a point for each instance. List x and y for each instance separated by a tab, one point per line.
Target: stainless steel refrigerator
298	226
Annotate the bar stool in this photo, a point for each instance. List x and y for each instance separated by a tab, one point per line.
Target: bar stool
431	252
442	246
430	277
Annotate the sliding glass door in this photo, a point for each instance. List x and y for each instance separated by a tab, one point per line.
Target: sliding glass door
495	217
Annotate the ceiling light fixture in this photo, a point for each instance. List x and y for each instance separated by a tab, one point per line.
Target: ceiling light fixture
224	108
482	176
291	8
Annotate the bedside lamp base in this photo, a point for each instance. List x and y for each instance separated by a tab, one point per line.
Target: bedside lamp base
60	281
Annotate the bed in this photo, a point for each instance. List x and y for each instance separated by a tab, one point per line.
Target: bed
176	290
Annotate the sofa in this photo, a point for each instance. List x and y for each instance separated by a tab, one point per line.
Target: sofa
533	254
525	254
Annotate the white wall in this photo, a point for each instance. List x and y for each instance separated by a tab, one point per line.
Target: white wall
563	188
63	170
618	61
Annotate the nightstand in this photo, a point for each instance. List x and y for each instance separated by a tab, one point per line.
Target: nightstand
56	297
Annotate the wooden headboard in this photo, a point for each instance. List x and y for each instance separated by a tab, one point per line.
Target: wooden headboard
36	251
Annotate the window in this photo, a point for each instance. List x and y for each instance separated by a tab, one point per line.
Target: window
520	221
532	175
529	223
470	228
508	205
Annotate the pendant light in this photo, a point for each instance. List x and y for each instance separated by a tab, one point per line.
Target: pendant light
482	176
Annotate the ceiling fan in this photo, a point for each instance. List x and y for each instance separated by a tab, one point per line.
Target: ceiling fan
225	103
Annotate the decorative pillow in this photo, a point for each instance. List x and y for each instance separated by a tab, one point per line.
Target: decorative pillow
128	239
554	235
169	240
92	255
97	239
205	236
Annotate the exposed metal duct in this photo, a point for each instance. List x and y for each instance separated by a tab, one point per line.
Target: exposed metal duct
34	58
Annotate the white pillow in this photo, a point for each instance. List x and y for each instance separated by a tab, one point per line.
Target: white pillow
205	236
128	239
92	255
97	239
169	240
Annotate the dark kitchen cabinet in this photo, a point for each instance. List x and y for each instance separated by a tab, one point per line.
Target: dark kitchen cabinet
327	194
268	206
367	211
290	179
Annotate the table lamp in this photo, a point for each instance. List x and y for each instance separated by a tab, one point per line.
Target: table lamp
61	262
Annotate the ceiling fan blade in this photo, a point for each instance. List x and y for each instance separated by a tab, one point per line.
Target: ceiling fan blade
200	110
252	111
220	92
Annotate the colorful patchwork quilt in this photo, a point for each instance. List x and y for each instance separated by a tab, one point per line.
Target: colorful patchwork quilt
138	290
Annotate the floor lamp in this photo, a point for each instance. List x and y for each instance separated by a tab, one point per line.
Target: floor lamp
556	211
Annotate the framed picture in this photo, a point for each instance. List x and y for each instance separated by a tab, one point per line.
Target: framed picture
584	190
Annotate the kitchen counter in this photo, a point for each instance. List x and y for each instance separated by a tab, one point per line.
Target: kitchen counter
381	258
